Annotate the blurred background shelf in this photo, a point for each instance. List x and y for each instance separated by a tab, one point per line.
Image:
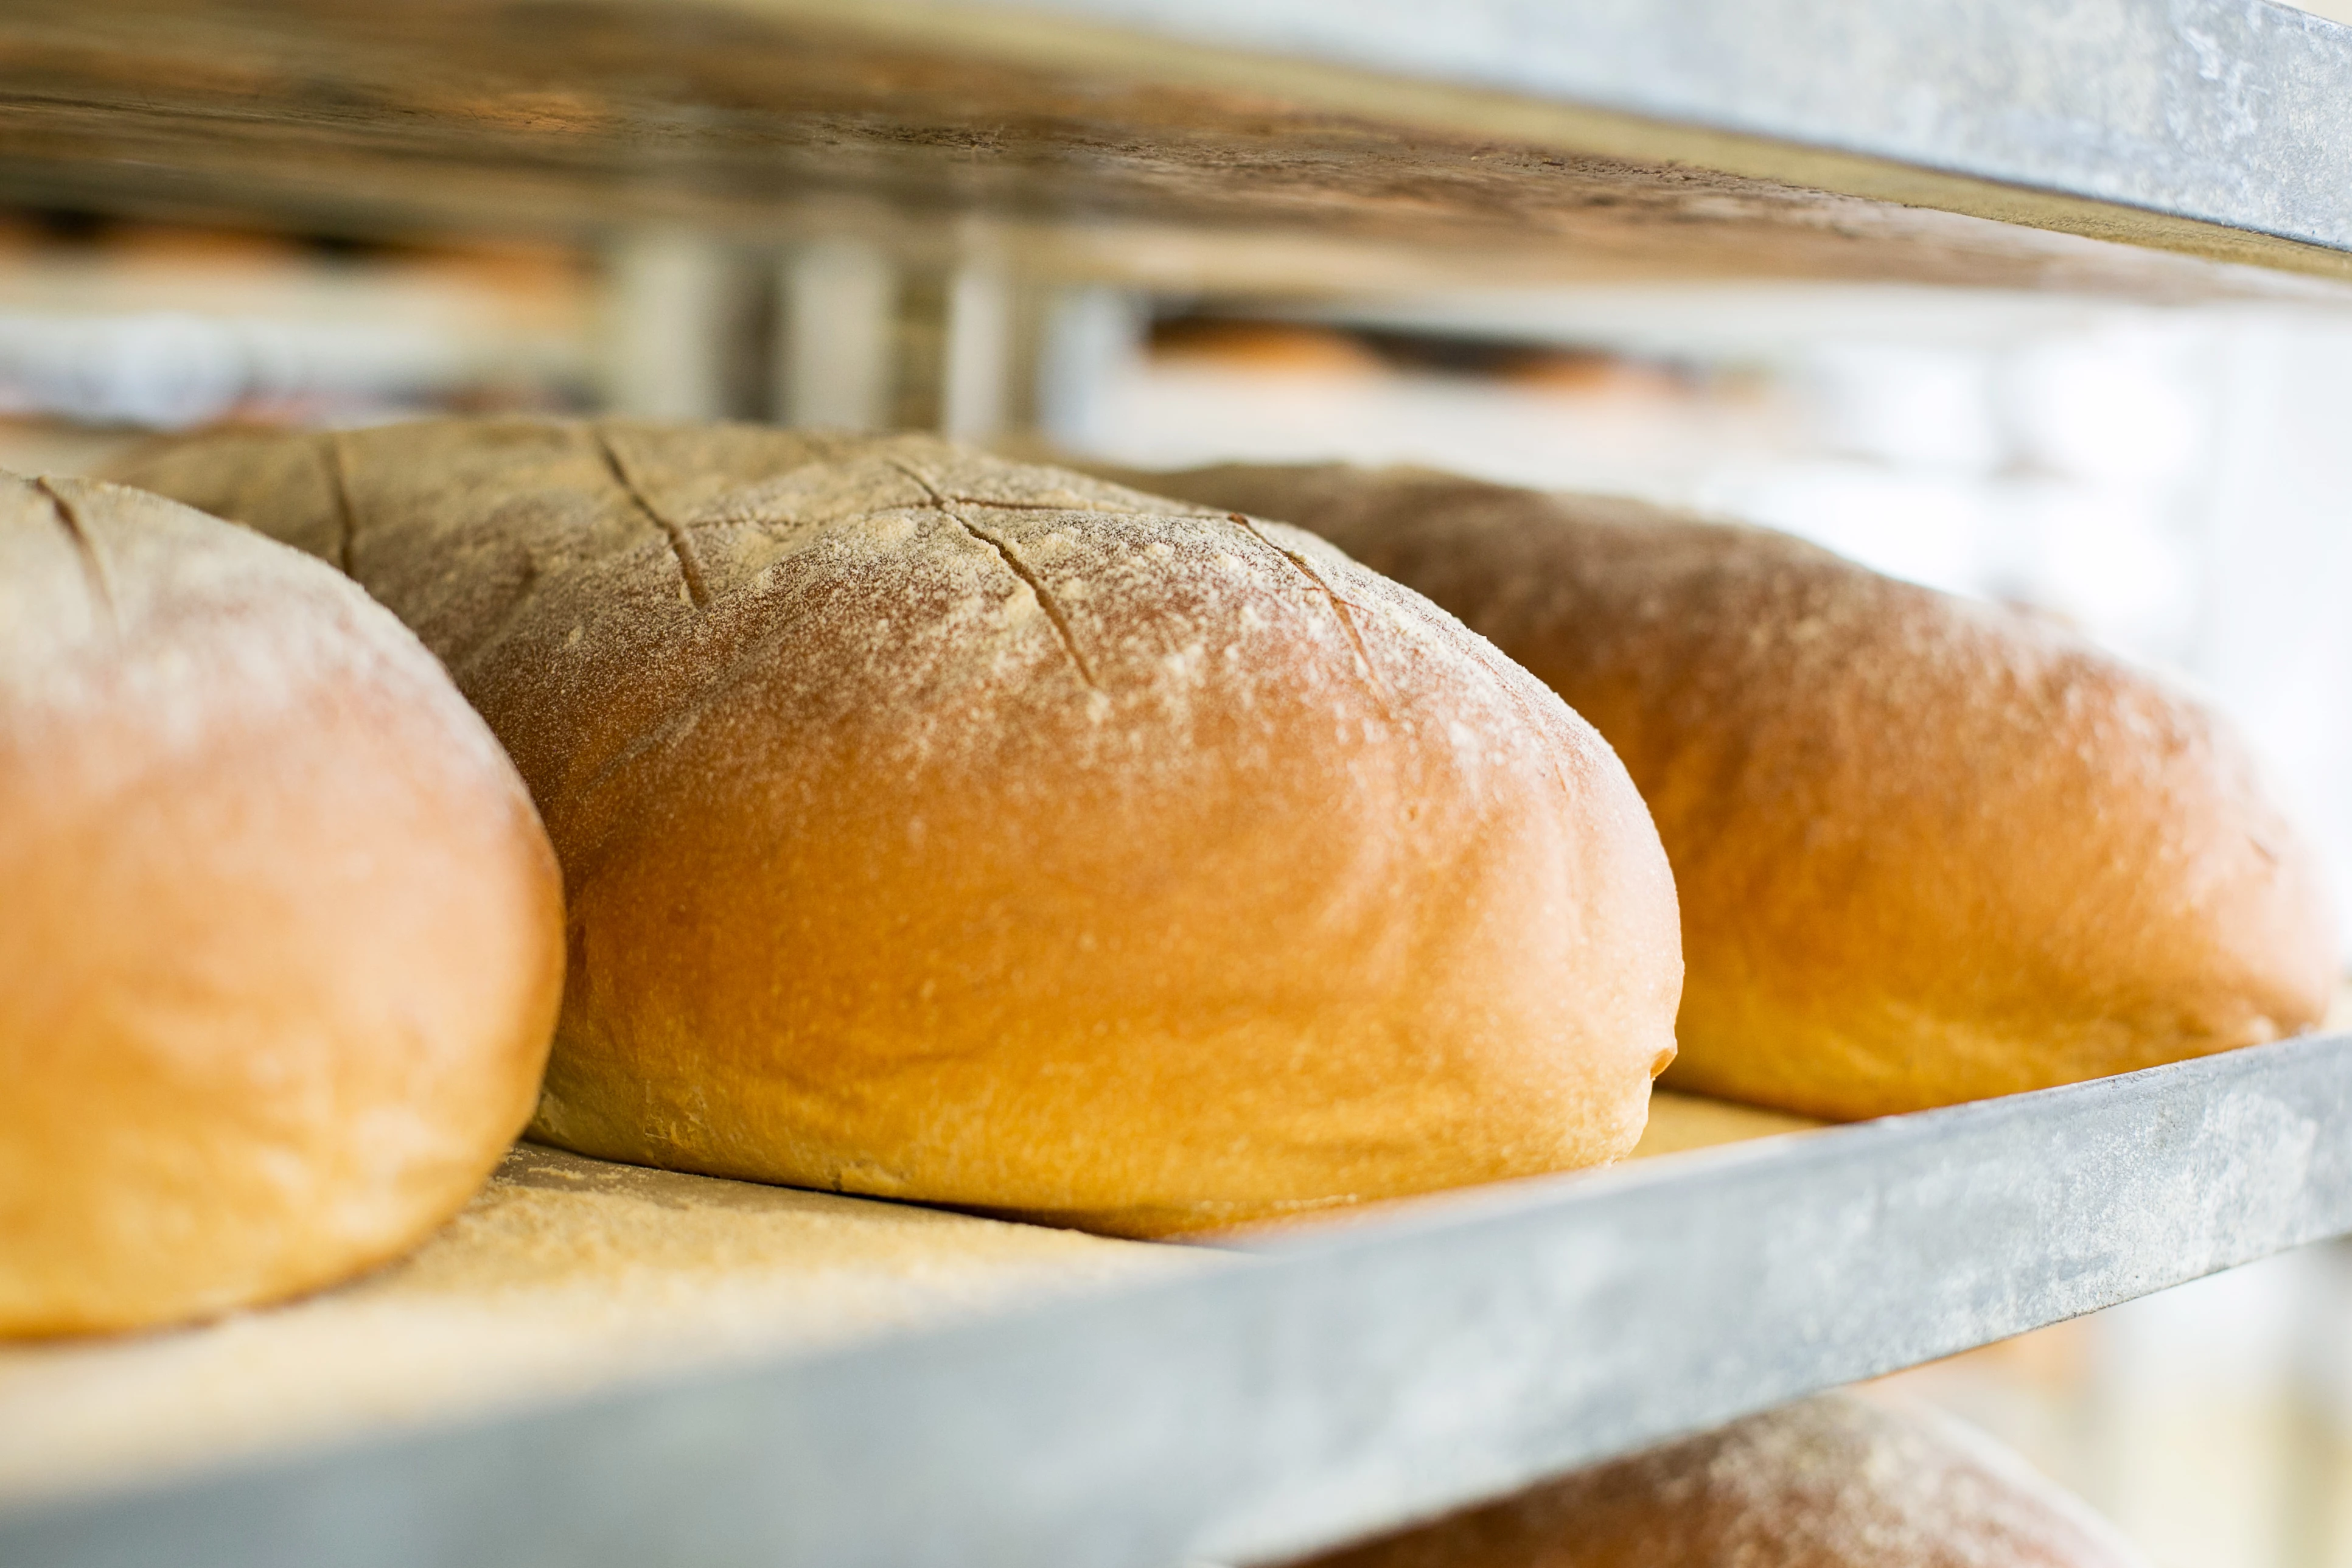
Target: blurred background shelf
1306	144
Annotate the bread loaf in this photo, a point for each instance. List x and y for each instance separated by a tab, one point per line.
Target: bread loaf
280	936
945	828
1926	849
1833	1482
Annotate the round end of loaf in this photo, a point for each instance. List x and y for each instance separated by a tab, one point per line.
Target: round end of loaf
1832	1482
1927	850
281	948
1950	851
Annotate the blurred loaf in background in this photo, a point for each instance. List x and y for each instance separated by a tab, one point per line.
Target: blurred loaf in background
281	943
1926	849
1830	1482
946	829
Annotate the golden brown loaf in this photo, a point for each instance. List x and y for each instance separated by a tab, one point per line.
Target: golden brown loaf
1833	1482
947	829
280	937
1926	849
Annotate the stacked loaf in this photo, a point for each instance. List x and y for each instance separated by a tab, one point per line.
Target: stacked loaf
1926	849
941	828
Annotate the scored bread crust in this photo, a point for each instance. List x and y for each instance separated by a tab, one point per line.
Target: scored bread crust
280	939
947	829
1926	849
1830	1482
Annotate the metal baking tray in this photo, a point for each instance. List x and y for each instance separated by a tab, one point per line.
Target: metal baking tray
1325	1384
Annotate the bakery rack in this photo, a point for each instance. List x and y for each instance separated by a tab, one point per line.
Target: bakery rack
1094	1403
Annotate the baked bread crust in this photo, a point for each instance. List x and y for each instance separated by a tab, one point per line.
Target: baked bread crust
1927	850
947	829
281	940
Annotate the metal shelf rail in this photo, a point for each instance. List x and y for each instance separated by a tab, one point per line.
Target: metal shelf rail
2212	126
1327	1385
1308	144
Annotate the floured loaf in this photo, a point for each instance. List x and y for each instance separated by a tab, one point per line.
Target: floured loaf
1926	849
280	936
948	829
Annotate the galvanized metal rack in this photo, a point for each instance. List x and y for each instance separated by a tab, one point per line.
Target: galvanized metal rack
1307	1390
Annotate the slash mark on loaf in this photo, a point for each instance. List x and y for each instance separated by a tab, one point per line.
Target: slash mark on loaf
689	565
1338	608
1091	507
339	479
1012	563
93	565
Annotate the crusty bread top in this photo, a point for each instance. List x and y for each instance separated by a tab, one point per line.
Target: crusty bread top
109	594
591	586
